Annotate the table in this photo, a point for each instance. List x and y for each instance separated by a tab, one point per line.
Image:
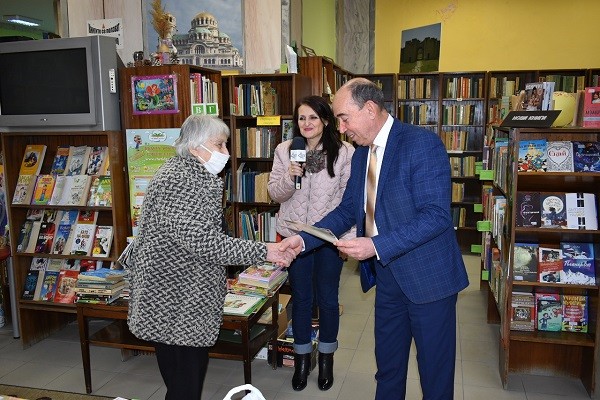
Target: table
117	335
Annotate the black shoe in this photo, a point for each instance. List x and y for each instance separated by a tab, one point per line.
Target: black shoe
325	371
301	371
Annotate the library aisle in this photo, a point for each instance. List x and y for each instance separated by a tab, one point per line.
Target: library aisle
55	363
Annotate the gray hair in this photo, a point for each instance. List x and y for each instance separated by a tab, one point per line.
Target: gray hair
363	90
196	130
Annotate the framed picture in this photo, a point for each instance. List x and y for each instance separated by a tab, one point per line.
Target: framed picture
309	52
154	94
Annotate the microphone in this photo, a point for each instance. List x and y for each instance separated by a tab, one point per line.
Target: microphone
298	154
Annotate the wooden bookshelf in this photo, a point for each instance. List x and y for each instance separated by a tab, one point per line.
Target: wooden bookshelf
388	84
327	76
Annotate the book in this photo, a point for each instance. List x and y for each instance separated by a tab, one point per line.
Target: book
78	191
578	263
31	282
581	211
260	275
532	155
550	264
102	241
586	156
102	275
240	304
49	286
528	209
87	217
44	186
559	156
83	236
525	262
548	312
97	157
61	183
100	193
33	158
77	160
591	107
534	95
45	238
321	233
56	264
35	231
553	210
575	313
65	286
547	101
61	237
24	236
522	317
24	189
59	164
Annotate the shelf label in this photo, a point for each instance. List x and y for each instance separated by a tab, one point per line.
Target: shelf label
485	275
486	175
530	119
476	248
205	108
266	120
484	226
478	208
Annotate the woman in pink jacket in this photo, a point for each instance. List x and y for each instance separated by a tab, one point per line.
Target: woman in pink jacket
324	177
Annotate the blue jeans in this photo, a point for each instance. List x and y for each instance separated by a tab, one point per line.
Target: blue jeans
321	267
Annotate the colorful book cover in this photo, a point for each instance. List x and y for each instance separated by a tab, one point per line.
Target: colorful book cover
102	241
534	96
65	286
49	286
59	164
522	316
101	193
39	264
87	217
586	156
240	304
61	238
45	238
528	209
78	160
550	265
31	282
96	159
581	211
43	189
525	262
33	158
554	210
591	107
532	155
559	156
578	263
549	312
24	189
575	313
83	236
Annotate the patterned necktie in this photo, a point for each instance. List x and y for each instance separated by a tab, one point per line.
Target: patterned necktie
371	193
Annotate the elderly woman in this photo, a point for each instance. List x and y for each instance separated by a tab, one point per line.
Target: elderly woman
178	279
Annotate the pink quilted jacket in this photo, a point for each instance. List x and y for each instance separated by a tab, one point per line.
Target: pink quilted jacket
318	195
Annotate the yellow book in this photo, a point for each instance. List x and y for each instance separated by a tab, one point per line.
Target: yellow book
43	189
33	159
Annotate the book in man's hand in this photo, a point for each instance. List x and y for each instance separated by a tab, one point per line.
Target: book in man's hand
321	233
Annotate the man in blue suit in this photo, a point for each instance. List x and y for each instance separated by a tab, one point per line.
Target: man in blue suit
413	249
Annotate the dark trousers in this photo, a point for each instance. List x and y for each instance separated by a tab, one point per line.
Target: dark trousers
183	369
433	327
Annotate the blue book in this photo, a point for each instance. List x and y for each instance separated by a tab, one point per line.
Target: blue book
49	286
532	155
586	156
59	164
578	263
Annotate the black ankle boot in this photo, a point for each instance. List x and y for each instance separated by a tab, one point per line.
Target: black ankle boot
325	370
301	371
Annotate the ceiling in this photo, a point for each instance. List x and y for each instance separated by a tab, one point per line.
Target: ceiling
43	10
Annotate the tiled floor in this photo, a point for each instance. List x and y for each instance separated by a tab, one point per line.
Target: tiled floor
55	363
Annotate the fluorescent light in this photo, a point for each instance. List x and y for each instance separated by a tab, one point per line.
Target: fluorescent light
21	20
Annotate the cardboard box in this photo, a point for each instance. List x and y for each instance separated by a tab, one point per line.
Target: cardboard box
285	352
282	319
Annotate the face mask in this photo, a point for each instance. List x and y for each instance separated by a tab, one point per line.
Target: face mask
216	162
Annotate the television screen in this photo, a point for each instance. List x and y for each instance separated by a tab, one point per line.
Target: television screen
44	82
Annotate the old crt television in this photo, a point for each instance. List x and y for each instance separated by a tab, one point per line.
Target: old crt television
60	84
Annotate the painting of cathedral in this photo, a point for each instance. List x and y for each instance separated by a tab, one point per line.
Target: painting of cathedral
198	38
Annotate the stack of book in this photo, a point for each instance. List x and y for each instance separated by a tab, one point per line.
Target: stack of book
267	276
102	286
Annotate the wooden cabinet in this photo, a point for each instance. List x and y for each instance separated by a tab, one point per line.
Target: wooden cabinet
543	352
38	319
327	76
388	83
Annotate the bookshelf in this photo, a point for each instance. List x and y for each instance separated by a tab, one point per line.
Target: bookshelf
563	353
566	80
38	319
388	84
501	85
418	99
592	77
327	76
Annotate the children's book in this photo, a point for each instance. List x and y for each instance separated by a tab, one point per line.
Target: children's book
87	217
78	160
96	159
549	312
240	304
522	316
78	191
525	262
48	286
578	263
591	107
528	209
532	155
33	159
581	211
586	156
65	286
102	241
559	156
59	164
39	264
61	238
550	265
24	189
575	313
60	183
83	236
100	191
554	210
43	189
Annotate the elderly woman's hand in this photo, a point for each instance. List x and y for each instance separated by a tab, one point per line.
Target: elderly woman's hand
283	258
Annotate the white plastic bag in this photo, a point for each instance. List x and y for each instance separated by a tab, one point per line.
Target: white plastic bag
254	394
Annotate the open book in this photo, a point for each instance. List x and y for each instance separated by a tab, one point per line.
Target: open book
321	233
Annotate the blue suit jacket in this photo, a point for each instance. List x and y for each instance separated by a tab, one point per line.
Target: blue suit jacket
416	237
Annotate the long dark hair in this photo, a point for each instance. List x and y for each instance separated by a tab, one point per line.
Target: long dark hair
331	138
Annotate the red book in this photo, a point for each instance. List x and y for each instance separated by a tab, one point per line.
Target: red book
591	107
65	286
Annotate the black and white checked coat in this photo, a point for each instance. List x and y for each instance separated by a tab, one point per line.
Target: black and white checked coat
178	278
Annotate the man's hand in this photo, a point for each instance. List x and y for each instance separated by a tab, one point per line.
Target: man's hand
293	244
360	248
283	258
